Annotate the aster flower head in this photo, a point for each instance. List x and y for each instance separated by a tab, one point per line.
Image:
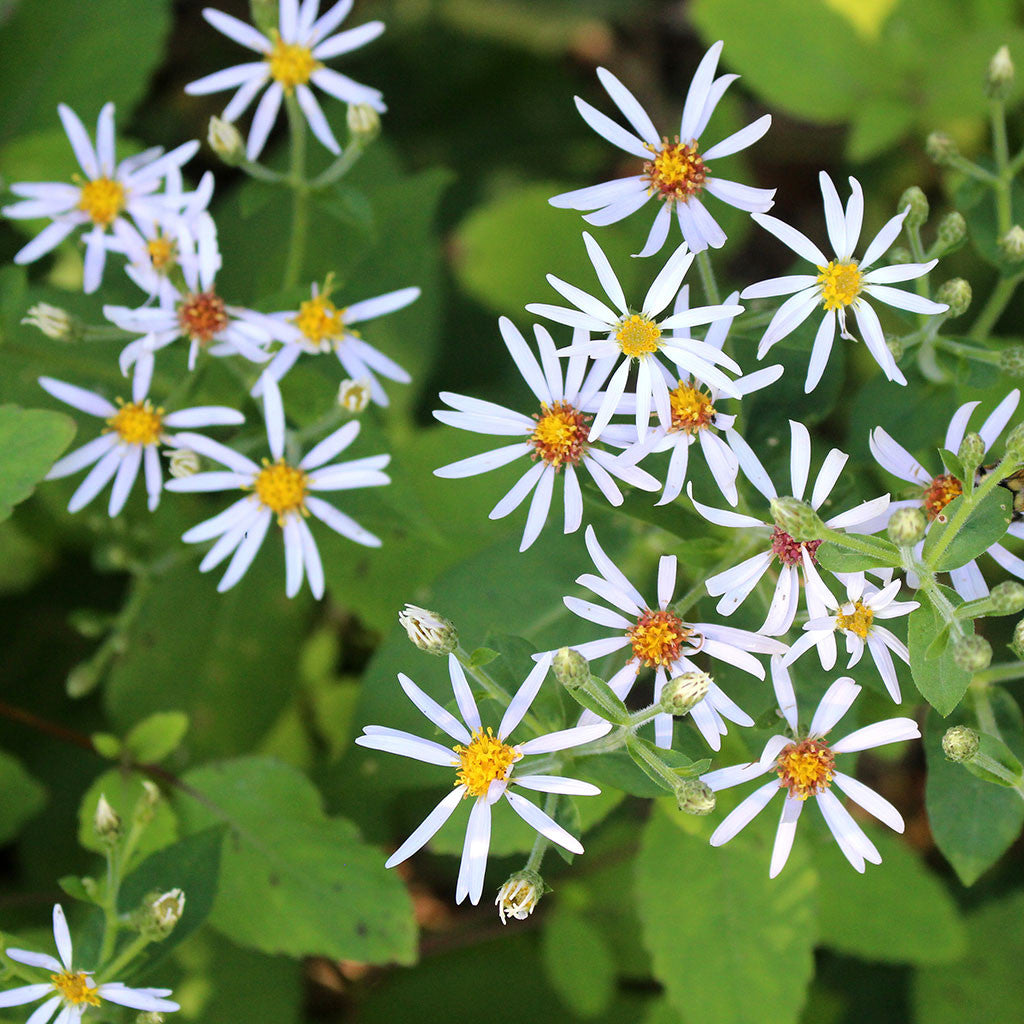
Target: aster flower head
658	638
291	59
676	173
935	492
130	440
71	990
282	491
555	438
111	193
795	559
804	766
637	336
485	765
841	284
319	326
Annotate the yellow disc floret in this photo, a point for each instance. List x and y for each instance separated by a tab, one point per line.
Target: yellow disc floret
76	988
857	621
291	64
484	761
321	322
806	768
658	638
163	253
560	435
840	284
942	490
677	171
637	336
137	422
102	199
281	488
691	408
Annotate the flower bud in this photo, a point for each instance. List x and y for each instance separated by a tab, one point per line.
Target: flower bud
145	808
182	462
226	141
571	669
971	451
999	80
429	631
906	526
900	254
150	1017
54	322
161	912
1015	443
106	821
354	395
1007	598
972	653
797	518
1011	360
685	692
960	743
941	149
695	796
265	16
1017	643
918	203
952	230
895	347
520	895
1011	245
957	294
363	122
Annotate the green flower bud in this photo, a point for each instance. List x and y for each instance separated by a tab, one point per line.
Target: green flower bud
1015	443
265	15
429	631
695	797
1017	643
960	743
107	822
160	912
906	526
1011	360
895	346
972	653
900	254
54	322
1007	598
1011	245
941	149
999	80
918	203
571	669
145	808
685	692
520	894
150	1017
363	122
797	518
226	141
952	230
957	294
182	462
971	451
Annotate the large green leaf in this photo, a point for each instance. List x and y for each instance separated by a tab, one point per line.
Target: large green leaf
941	681
23	797
31	440
578	962
292	879
984	527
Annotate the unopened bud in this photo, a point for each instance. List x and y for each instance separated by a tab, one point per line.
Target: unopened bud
797	518
918	203
571	669
354	395
182	462
906	526
1015	443
685	692
941	148
429	631
150	1017
1011	245
363	122
895	347
971	451
999	80
900	254
53	321
972	653
520	895
952	231
161	912
265	16
695	796
1007	598
106	821
226	141
957	294
82	679
1017	643
1011	360
960	743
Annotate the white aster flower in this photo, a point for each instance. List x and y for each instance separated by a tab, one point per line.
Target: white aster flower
936	492
856	619
840	284
638	336
735	584
660	639
485	769
318	325
675	173
695	417
111	191
554	439
131	439
290	59
805	766
74	991
281	491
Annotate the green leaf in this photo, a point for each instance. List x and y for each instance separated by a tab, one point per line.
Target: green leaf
994	748
157	736
952	463
620	771
985	525
836	558
293	880
124	792
578	963
31	440
482	656
755	936
23	797
927	927
941	681
107	745
972	821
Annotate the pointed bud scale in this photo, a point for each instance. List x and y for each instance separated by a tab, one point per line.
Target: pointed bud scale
571	669
695	797
1011	360
685	692
1017	643
797	518
1011	245
971	451
1007	598
941	149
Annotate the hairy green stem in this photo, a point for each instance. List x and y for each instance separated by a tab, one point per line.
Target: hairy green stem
541	843
707	278
300	193
997	301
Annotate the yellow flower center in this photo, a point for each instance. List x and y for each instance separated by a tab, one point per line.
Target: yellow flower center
858	621
658	638
320	321
102	199
485	760
560	435
840	284
291	64
162	253
942	490
137	422
282	488
806	768
691	408
203	316
677	171
76	988
637	336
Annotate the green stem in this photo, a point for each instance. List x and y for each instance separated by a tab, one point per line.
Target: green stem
997	301
261	173
707	278
1004	672
353	151
124	958
965	166
851	541
541	843
983	708
979	355
1001	151
495	690
300	193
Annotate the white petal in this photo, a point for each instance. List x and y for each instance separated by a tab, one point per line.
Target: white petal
405	744
608	129
441	717
565	739
740	140
785	834
795	240
463	694
881	242
744	813
524	696
430	825
892	730
474	853
543	823
630	107
80	142
697	94
263	120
